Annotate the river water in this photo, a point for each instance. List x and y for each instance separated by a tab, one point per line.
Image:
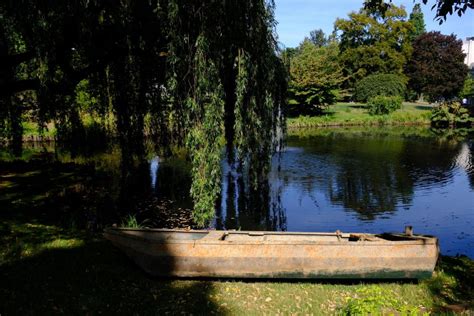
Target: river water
377	180
352	180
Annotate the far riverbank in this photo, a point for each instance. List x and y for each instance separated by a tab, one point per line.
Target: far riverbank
356	114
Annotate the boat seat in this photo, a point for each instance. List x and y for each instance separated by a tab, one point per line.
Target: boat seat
215	235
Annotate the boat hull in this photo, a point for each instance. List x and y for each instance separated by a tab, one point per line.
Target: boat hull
257	256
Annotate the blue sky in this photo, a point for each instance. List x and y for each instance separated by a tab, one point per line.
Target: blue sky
296	18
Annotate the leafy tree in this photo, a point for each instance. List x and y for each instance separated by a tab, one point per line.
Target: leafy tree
318	38
418	21
450	113
437	67
370	43
206	72
380	85
287	55
315	78
443	7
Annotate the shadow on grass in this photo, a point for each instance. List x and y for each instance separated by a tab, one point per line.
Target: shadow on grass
452	286
357	106
68	195
423	107
329	114
95	278
324	113
30	187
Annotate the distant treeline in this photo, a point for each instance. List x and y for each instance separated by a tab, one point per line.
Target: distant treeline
369	55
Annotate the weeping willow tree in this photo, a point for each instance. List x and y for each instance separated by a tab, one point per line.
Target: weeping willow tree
203	74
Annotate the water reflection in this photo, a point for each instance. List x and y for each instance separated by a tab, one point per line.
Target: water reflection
381	180
241	207
466	160
154	163
371	175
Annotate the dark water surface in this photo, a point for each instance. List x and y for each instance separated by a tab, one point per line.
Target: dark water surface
354	180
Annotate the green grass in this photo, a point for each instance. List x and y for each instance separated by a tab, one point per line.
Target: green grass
48	269
353	114
91	123
130	221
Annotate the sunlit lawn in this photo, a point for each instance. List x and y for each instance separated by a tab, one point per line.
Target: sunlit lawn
347	114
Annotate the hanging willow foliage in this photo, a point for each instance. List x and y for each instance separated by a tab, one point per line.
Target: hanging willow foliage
206	134
205	73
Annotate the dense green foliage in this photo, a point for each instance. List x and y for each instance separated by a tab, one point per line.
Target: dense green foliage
419	28
318	38
371	43
375	58
379	84
200	72
443	7
468	88
316	76
437	67
381	105
450	114
418	21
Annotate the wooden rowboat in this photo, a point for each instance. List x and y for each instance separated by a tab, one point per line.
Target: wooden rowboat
245	254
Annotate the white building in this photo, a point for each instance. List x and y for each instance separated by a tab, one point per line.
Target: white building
468	49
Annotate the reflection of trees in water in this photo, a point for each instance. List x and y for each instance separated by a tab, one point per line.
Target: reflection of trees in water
134	182
372	175
470	170
371	191
239	207
244	208
461	141
103	187
465	160
173	181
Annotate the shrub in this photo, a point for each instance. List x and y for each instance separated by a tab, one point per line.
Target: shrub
380	105
450	114
380	84
468	89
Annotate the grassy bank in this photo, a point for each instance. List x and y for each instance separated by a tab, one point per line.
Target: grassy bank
48	269
340	114
92	126
353	114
